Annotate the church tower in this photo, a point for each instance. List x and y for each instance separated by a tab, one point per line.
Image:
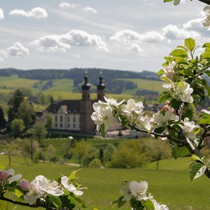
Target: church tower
86	88
87	125
101	88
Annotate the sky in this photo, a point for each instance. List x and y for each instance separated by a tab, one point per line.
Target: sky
130	35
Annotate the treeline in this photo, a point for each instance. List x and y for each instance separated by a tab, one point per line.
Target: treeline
77	74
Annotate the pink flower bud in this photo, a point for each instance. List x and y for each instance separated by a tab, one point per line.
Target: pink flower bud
24	184
3	174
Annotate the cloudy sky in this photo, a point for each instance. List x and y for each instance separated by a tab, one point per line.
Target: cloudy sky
118	34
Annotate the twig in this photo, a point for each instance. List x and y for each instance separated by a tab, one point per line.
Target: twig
205	1
19	203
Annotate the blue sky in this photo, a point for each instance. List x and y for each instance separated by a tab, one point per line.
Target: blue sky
118	34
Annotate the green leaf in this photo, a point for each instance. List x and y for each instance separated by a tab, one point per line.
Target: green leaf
206	45
3	205
175	104
18	193
205	55
120	202
197	170
160	72
159	130
102	130
148	204
167	0
164	97
53	201
180	152
204	119
183	152
188	111
208	72
73	175
196	158
179	53
190	44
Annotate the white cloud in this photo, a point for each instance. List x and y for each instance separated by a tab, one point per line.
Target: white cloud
78	38
126	36
17	49
76	56
1	14
90	9
178	33
133	40
50	43
136	48
152	36
2	55
67	5
194	25
36	12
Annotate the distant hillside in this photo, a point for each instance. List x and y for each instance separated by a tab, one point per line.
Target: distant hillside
117	81
77	73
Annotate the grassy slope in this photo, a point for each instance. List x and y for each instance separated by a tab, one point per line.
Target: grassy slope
170	185
65	86
15	82
144	84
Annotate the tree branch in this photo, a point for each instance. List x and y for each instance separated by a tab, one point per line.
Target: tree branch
205	1
19	203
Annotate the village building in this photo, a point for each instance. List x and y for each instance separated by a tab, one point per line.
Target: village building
75	115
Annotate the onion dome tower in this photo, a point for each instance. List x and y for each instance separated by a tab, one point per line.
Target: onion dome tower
101	88
86	88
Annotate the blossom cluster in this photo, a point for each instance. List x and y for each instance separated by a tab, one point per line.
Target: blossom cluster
133	114
136	193
38	190
206	21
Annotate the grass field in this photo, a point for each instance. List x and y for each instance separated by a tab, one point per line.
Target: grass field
14	82
144	84
170	185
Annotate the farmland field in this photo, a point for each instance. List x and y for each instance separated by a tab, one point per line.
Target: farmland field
170	185
144	84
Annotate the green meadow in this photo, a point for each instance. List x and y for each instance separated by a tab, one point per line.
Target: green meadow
145	84
62	88
170	185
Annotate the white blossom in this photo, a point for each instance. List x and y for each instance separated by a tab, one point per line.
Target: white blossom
162	119
190	129
9	176
70	187
157	205
125	190
169	70
184	92
111	102
206	21
132	108
139	189
181	90
40	187
176	2
135	115
103	115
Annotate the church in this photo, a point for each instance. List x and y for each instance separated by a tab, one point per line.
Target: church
75	115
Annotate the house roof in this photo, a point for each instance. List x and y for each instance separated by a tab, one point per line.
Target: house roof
73	106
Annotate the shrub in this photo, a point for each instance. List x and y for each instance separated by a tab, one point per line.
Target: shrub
95	163
91	155
128	155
